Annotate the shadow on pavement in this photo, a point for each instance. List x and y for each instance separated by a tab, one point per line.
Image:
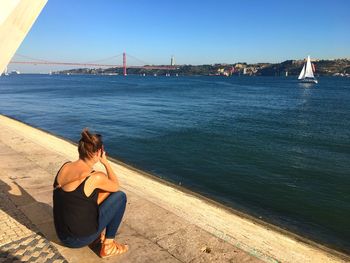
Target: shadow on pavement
21	200
20	239
24	201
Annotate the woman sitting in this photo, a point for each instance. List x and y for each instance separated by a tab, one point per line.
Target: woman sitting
86	202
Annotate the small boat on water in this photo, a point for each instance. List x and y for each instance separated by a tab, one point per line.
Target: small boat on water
307	73
14	72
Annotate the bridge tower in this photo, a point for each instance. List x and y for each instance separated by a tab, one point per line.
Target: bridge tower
124	64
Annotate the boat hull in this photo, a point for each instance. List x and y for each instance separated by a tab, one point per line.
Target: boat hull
314	81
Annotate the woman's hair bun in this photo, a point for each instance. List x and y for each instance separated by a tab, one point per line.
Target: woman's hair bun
89	144
86	136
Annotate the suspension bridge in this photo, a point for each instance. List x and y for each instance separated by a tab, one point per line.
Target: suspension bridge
101	63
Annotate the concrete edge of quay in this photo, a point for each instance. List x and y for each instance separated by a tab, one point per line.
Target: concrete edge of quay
265	241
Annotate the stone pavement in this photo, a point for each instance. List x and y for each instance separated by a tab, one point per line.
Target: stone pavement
20	240
154	234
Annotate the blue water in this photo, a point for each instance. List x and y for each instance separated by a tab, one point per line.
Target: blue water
271	147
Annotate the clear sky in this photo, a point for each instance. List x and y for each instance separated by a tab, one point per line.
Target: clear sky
194	31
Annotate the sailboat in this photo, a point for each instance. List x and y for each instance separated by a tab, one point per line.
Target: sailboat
307	75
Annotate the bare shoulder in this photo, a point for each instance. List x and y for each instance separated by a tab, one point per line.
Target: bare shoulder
65	166
98	180
98	175
63	171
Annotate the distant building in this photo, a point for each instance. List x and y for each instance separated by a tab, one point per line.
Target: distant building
239	65
244	71
224	72
172	61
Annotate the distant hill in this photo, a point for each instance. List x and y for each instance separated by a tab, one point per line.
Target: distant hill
293	67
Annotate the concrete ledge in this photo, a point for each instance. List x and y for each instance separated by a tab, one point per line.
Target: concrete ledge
263	241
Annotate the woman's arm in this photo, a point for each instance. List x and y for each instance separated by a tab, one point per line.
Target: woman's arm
110	173
109	183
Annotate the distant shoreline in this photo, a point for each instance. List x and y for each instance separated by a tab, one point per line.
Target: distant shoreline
337	67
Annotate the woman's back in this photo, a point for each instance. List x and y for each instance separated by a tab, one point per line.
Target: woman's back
75	213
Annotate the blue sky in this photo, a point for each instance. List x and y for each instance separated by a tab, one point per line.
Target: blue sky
195	32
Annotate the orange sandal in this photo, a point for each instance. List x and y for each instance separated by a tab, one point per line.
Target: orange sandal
112	248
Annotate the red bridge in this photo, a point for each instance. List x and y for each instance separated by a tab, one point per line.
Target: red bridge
34	61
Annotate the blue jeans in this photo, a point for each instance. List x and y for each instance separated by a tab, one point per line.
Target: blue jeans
111	212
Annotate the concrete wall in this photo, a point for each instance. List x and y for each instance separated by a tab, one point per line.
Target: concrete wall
16	18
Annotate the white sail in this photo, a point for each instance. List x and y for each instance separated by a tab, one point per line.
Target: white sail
307	75
302	73
308	71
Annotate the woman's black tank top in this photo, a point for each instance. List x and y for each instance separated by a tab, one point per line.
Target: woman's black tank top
75	214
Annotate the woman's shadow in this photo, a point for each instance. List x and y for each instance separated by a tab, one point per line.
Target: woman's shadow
17	203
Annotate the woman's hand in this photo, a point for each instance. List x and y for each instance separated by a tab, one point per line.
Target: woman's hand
103	158
111	176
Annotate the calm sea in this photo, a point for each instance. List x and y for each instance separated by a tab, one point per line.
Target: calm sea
272	147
